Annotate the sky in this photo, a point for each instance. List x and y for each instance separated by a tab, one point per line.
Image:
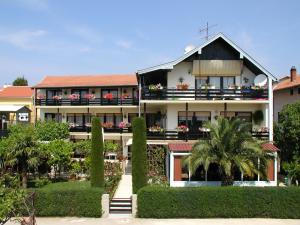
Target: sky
76	37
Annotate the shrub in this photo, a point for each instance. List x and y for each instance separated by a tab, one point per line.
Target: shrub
69	199
139	154
219	202
51	130
97	158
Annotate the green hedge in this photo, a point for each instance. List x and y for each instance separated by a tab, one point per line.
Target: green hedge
219	202
69	199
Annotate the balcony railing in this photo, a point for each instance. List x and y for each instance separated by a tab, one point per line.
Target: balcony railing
84	101
191	135
106	130
205	94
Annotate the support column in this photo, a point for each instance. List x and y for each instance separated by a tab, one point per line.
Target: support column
140	95
186	119
57	116
171	168
34	106
145	110
270	95
225	110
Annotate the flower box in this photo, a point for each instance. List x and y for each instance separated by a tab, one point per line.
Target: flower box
108	96
182	86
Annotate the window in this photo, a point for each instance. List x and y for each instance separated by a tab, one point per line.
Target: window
215	82
194	119
244	116
291	92
114	118
227	82
80	92
201	81
53	117
78	119
131	116
51	93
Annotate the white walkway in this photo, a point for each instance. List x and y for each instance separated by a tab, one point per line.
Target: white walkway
124	189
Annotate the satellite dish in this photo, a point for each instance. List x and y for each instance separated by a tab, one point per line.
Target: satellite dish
189	48
260	80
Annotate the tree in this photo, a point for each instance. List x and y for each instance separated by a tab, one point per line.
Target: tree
97	157
287	132
51	130
59	154
293	169
139	154
20	81
231	146
20	150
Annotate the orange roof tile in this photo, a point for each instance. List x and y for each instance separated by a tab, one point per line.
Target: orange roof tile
16	92
88	81
287	83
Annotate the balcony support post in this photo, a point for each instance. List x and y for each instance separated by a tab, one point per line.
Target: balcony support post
225	110
270	105
140	94
186	119
34	105
57	116
145	110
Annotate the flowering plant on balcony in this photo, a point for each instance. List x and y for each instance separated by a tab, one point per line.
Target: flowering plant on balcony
40	96
261	129
108	96
155	87
182	128
88	124
89	96
182	86
124	124
72	125
124	96
156	128
108	125
56	97
74	96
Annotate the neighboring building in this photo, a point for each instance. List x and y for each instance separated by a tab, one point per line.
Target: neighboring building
16	104
215	79
75	99
286	91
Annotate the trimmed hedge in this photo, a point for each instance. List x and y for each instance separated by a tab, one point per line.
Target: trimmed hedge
219	202
139	154
97	158
69	199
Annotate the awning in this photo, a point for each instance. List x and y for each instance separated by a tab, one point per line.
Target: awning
217	67
11	108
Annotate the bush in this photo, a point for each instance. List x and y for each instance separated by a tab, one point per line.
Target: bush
139	154
51	130
97	158
69	199
219	202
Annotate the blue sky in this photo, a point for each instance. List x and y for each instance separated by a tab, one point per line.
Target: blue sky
57	37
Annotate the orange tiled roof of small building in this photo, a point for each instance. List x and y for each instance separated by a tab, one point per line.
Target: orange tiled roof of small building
88	81
287	83
16	92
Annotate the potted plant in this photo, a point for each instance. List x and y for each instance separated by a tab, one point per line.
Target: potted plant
108	125
108	96
73	97
89	96
182	129
181	85
155	87
156	129
56	97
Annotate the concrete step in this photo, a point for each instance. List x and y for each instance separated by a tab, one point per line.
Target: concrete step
120	206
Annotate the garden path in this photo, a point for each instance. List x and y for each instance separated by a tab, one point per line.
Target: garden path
124	189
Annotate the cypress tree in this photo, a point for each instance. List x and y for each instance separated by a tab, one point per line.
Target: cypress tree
139	154
97	158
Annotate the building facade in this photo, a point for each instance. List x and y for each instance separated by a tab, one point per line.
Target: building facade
286	91
176	99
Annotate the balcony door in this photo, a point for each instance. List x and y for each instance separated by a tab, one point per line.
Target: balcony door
53	96
82	96
194	120
109	96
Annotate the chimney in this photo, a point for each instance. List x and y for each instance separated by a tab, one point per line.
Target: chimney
293	73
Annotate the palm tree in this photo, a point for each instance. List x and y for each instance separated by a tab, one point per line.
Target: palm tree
231	146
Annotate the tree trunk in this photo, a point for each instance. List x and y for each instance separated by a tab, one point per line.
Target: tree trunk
24	178
206	175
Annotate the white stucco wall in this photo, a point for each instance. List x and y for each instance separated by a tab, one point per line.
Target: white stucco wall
183	70
283	97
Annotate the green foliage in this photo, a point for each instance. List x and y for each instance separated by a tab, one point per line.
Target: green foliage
11	197
109	146
97	157
20	150
83	147
219	202
139	154
69	199
51	130
113	173
231	146
258	117
287	132
60	153
293	169
20	81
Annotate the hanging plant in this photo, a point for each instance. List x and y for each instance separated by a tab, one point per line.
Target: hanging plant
258	117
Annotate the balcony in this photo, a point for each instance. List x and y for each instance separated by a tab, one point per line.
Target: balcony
191	135
106	130
86	102
205	94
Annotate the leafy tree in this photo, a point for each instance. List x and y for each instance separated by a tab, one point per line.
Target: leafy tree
20	150
20	81
59	154
51	130
287	132
232	147
139	154
109	146
293	169
97	158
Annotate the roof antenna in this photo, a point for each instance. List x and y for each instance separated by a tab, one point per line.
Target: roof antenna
206	29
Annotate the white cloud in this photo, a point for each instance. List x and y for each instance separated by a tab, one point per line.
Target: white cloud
124	44
24	39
